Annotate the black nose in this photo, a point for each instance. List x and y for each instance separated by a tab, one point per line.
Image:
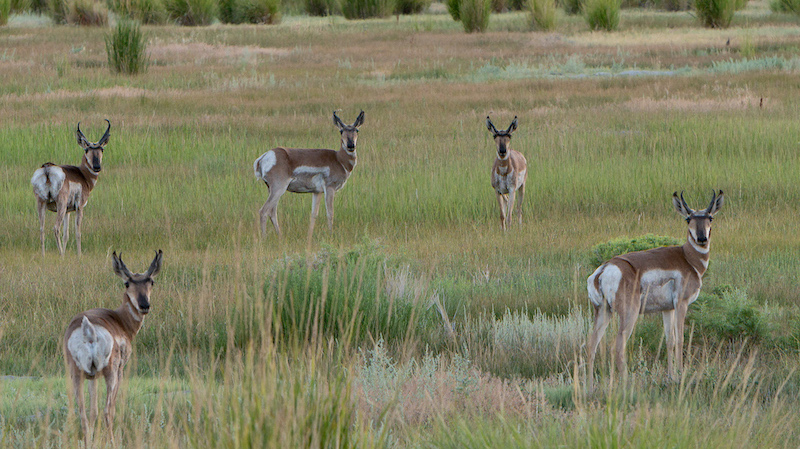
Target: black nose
96	168
350	146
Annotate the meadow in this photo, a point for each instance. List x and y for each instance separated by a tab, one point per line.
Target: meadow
416	322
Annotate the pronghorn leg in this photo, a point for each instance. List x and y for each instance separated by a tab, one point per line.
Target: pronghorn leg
512	194
41	207
77	387
501	200
627	320
680	321
93	403
329	194
315	200
112	387
62	210
670	333
270	208
602	317
65	231
520	200
78	222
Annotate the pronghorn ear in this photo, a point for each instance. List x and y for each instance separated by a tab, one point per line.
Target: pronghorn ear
716	203
337	121
104	140
81	138
680	205
119	267
490	126
155	265
359	120
513	126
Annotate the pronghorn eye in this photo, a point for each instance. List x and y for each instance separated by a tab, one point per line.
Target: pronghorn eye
127	284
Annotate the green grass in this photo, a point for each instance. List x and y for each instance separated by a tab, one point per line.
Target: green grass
416	322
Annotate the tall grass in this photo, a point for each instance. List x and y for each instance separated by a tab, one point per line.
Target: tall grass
323	7
126	48
364	9
602	14
715	13
87	13
542	14
475	14
149	12
250	11
5	11
191	12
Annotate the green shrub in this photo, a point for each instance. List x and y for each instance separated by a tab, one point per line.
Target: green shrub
542	14
603	252
715	13
572	7
453	7
87	13
39	6
5	11
498	5
18	6
364	9
250	11
149	12
602	14
674	5
126	48
57	10
517	5
727	314
787	6
475	15
411	6
191	12
323	7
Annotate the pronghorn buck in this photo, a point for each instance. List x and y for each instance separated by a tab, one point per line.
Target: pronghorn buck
66	188
509	173
99	342
300	170
664	280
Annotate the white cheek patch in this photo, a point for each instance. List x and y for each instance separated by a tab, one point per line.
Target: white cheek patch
264	164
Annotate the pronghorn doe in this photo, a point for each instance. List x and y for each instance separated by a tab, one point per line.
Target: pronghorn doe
300	170
664	280
509	173
66	188
99	341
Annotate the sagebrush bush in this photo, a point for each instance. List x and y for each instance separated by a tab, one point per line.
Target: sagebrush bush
323	7
517	5
453	7
250	11
498	5
542	14
411	6
727	314
87	13
126	47
191	12
674	5
572	7
602	14
602	252
475	15
57	10
715	13
365	9
5	11
150	12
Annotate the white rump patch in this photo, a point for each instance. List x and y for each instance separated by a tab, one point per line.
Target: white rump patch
90	357
264	164
47	182
610	278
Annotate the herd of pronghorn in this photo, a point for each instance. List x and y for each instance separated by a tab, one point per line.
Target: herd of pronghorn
99	341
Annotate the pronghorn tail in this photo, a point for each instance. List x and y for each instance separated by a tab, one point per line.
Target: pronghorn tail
47	182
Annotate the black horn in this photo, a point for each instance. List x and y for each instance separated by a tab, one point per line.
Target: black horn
689	210
104	140
513	126
490	125
337	121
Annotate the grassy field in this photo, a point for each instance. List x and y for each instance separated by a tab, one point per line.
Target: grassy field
416	322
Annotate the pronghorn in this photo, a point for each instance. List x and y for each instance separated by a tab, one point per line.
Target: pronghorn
66	188
509	173
318	171
99	341
664	280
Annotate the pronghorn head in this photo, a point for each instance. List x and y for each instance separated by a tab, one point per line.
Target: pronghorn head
502	138
138	285
699	221
349	132
93	152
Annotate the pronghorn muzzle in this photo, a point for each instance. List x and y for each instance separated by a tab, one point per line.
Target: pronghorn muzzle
144	303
